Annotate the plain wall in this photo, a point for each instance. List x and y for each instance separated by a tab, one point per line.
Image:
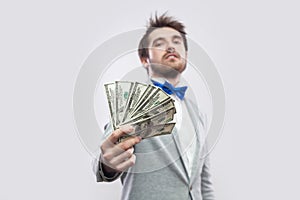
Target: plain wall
254	44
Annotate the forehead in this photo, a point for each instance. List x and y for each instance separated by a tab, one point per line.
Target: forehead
164	32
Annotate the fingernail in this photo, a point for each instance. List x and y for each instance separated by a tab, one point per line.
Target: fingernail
130	128
127	128
131	150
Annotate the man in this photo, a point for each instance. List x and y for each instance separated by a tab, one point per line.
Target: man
169	166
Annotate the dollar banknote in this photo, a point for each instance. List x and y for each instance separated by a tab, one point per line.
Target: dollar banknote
147	108
160	118
153	100
136	94
150	90
110	95
123	89
158	130
161	108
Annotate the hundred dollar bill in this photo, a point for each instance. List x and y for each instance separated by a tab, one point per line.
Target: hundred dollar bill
110	95
145	107
153	100
123	89
136	94
158	130
164	106
154	119
150	91
159	98
161	118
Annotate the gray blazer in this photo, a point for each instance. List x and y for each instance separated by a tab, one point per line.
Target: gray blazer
161	173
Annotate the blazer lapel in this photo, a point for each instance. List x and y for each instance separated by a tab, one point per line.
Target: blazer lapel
198	123
184	171
193	113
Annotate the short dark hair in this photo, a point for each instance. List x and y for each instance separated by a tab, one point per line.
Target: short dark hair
160	22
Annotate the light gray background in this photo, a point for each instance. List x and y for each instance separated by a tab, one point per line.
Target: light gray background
254	44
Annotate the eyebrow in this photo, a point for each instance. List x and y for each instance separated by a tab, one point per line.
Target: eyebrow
162	38
157	39
177	37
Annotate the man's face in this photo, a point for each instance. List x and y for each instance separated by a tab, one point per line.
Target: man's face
167	54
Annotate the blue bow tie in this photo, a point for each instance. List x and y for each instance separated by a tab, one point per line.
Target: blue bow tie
170	89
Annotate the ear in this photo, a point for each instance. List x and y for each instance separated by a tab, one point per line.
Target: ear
145	62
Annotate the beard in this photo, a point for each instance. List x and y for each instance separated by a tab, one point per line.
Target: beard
168	69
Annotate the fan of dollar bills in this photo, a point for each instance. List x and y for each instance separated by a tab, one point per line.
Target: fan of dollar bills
145	107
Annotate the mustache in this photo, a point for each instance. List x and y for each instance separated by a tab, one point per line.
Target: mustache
172	54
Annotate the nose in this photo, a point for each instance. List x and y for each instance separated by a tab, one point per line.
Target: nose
170	49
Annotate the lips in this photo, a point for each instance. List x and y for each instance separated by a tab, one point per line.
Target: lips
171	55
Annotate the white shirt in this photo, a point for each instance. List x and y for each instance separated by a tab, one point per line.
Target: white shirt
185	130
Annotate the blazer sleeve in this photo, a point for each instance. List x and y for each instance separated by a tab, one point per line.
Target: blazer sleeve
207	189
101	176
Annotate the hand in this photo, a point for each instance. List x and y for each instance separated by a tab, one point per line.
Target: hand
118	157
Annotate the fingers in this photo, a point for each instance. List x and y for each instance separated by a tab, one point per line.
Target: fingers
126	128
122	157
126	164
115	135
126	144
110	152
119	156
113	138
121	162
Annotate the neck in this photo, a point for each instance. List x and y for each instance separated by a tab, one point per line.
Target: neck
174	80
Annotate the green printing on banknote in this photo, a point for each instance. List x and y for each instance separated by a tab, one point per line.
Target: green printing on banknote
145	107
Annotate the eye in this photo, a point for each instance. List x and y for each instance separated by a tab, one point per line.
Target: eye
177	41
158	44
